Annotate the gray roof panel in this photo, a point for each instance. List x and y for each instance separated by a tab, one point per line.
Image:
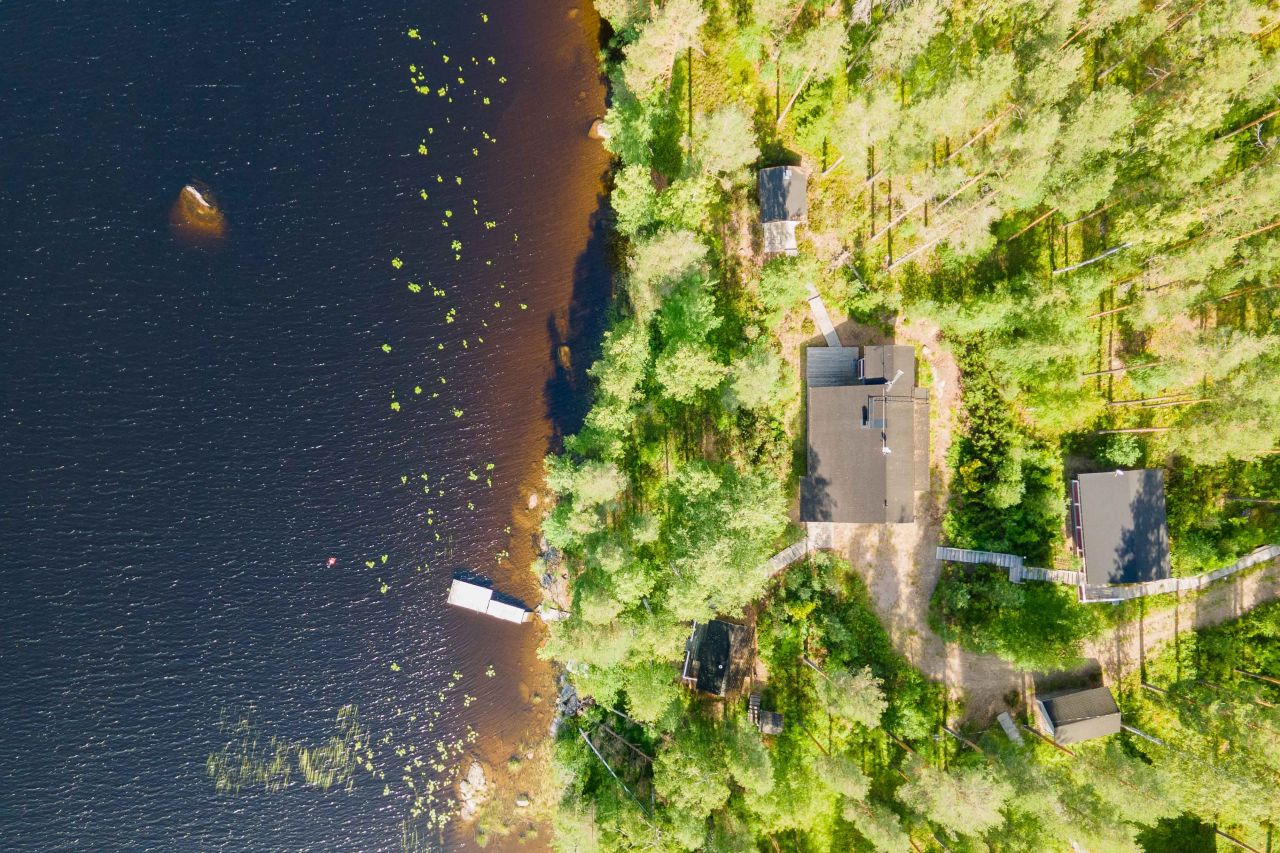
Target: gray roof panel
1126	539
850	424
1082	715
783	194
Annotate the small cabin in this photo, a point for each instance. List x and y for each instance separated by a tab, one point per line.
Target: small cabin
1118	526
784	202
714	657
1079	715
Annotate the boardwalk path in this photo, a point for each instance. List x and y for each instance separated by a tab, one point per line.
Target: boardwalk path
898	564
821	318
901	570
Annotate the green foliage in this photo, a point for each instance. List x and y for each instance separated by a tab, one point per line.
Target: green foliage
1219	513
1007	495
619	375
756	380
687	369
650	57
967	800
651	692
657	264
1184	834
822	603
878	825
1122	451
784	284
726	141
854	697
687	774
634	199
1035	625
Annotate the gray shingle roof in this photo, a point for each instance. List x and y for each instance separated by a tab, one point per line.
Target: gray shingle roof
850	423
1122	517
783	194
1082	715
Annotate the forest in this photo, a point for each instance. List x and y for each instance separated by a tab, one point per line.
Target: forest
1082	198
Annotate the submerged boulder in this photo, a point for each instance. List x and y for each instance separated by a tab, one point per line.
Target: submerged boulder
195	215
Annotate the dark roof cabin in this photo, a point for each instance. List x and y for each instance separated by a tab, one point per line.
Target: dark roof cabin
711	656
868	435
1119	527
783	205
1079	715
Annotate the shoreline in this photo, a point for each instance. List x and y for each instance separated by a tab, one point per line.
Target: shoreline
559	257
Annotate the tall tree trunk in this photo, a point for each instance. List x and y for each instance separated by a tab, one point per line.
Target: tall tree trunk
803	82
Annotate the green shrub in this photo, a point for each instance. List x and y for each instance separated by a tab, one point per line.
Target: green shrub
1034	625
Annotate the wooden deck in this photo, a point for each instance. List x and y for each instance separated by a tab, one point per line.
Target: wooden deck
830	367
1018	573
1031	573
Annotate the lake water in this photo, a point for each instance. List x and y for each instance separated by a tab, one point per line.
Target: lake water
190	429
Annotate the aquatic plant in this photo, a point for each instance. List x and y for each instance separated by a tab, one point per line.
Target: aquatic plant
244	761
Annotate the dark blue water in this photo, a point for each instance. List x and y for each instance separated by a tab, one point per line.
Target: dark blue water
189	431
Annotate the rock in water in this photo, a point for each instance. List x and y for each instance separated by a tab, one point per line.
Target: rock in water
471	791
195	216
599	130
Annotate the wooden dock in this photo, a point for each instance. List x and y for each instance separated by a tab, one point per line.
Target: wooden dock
479	599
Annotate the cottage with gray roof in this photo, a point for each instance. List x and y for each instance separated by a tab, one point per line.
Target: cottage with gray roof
783	205
1079	715
1119	526
868	435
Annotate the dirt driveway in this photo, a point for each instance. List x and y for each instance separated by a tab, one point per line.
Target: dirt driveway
897	562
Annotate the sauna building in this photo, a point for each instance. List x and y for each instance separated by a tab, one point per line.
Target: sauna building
783	205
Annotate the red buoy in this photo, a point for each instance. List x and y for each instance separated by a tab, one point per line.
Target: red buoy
333	561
